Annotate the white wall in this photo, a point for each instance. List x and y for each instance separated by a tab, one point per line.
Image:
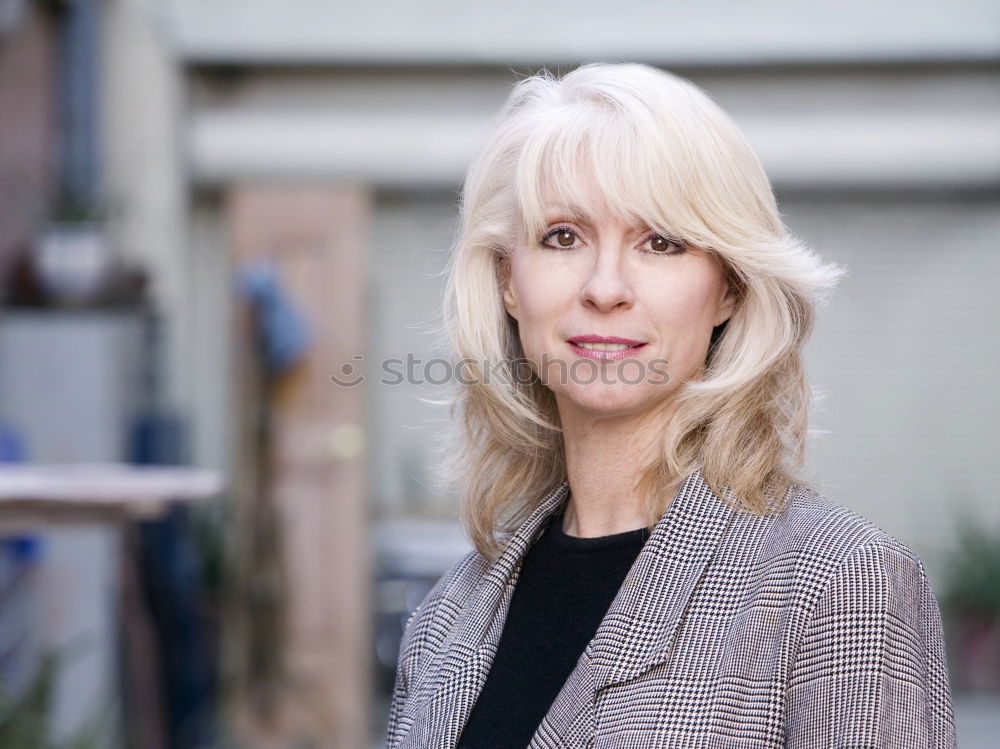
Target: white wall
843	128
729	32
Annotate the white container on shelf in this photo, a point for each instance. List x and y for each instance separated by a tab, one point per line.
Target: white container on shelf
73	261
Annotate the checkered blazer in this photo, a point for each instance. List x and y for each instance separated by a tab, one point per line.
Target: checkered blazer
808	629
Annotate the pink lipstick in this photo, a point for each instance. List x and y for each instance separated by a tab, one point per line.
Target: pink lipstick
604	347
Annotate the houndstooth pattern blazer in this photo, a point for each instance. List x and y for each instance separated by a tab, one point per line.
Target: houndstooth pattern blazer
808	629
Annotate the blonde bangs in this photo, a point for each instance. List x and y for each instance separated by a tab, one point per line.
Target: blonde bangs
590	160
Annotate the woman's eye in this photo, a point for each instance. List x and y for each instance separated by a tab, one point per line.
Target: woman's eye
564	239
560	238
663	246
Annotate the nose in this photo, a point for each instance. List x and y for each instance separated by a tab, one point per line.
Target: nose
608	285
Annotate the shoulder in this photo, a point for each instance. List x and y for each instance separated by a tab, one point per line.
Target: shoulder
832	550
813	539
813	525
456	584
841	577
869	626
431	619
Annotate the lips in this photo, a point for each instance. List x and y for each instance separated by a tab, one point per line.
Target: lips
604	347
605	339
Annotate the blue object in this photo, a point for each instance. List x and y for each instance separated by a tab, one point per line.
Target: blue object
12	448
284	331
169	564
21	550
158	437
19	554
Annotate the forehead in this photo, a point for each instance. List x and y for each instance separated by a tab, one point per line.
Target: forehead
600	166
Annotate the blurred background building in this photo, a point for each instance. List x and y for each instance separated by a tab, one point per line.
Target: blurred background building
272	188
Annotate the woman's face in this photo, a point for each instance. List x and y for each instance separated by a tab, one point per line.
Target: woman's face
613	317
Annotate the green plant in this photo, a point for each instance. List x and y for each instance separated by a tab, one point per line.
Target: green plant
73	209
972	578
208	522
24	720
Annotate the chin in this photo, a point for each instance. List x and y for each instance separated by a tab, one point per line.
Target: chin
607	401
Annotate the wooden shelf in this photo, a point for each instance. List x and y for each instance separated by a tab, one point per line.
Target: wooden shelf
33	495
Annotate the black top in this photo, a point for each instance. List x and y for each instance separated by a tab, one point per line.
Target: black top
564	590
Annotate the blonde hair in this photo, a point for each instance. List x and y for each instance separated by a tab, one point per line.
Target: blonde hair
660	151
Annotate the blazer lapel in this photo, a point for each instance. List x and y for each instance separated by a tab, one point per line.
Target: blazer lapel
638	631
636	634
467	654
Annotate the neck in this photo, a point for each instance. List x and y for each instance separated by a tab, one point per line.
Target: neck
605	458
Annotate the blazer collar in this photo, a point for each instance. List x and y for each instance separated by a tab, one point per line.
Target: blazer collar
639	628
636	634
441	707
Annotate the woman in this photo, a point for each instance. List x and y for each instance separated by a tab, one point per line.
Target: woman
649	569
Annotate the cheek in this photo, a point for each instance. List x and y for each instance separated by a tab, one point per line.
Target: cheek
688	312
697	292
536	297
534	318
697	310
